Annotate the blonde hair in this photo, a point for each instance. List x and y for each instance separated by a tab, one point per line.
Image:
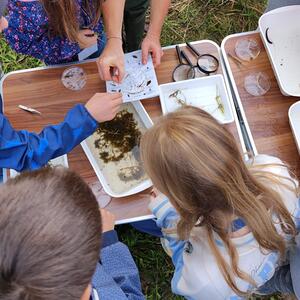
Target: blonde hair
196	163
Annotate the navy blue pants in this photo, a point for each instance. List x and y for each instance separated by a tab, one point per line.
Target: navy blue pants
149	227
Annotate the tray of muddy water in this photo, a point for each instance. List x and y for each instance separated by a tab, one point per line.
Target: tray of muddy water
114	153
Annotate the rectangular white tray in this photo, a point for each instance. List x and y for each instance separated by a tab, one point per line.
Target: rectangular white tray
294	117
58	161
142	186
280	32
211	86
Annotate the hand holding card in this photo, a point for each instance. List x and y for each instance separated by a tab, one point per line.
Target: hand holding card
140	80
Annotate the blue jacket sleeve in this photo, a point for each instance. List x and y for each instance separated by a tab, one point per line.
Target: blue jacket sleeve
167	218
21	150
117	276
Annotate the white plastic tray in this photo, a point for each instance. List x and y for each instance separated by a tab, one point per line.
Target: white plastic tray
294	117
200	92
235	89
280	32
145	184
58	161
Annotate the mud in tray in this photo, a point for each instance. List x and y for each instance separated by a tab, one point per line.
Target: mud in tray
114	153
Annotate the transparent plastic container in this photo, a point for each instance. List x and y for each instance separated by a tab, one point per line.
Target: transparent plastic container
247	49
74	78
257	84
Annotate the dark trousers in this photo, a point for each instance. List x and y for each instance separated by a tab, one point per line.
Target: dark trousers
134	23
273	4
149	227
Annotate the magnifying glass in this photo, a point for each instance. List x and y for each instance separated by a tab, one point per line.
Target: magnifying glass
206	63
194	68
183	71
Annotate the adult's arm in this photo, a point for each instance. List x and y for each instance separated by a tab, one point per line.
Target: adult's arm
113	55
21	150
151	43
117	276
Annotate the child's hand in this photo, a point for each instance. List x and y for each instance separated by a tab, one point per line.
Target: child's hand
108	220
3	24
86	38
103	106
156	195
154	192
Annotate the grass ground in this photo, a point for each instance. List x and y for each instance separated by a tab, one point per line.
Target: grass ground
188	20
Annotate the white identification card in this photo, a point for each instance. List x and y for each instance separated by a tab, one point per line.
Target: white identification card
140	80
85	53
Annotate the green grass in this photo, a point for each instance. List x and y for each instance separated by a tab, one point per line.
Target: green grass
188	20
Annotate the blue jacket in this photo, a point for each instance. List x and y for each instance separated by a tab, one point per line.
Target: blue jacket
116	276
21	150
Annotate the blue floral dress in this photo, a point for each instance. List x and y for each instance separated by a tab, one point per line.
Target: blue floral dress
28	33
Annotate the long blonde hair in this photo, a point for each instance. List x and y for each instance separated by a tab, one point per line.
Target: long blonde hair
196	163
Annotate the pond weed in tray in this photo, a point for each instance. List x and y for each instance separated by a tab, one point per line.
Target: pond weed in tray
113	150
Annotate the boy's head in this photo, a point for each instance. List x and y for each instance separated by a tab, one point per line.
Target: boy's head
49	236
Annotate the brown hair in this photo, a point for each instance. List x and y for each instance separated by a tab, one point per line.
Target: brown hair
50	236
63	16
196	163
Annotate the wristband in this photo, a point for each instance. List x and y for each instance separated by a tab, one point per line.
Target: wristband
115	37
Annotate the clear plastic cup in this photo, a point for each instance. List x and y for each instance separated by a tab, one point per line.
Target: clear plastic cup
247	49
74	78
257	84
102	197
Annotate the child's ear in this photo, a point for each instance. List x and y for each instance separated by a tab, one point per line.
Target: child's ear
87	293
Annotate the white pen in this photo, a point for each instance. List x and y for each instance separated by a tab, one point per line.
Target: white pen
29	109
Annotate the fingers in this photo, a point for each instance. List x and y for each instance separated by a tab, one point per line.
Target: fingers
145	53
105	72
121	70
117	102
115	96
100	70
157	54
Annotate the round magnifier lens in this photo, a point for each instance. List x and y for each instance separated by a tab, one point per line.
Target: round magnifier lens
208	64
247	50
198	73
257	84
74	78
183	72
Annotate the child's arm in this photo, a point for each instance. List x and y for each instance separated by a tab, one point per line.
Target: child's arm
26	34
117	276
119	269
167	218
22	150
